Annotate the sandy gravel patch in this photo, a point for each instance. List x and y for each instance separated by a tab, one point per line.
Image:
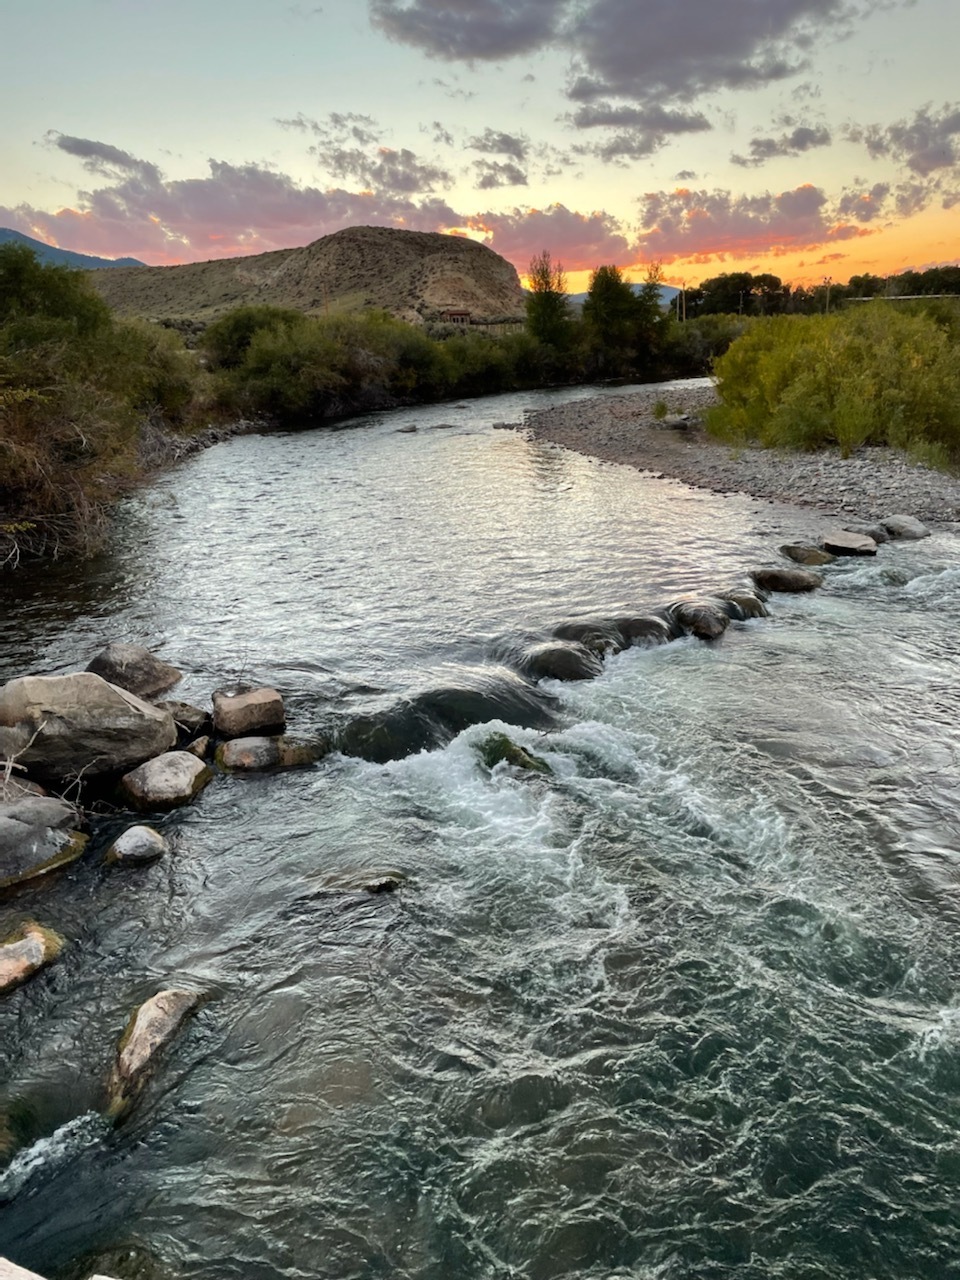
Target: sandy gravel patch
870	485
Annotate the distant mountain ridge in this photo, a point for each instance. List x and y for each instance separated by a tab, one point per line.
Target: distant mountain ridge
50	254
668	296
418	276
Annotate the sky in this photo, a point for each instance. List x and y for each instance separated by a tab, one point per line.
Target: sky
814	139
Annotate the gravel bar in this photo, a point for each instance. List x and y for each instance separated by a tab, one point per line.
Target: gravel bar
872	484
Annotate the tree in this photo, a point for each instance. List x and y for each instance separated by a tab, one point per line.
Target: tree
548	308
610	315
31	291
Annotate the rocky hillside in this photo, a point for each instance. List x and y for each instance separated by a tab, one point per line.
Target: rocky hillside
416	275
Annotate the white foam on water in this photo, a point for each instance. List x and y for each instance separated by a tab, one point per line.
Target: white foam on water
51	1152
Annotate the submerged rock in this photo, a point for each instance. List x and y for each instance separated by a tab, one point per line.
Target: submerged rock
25	952
906	527
647	629
704	619
238	713
137	845
150	1029
251	754
561	660
804	553
841	542
499	749
131	667
794	580
167	782
62	727
748	602
600	635
37	835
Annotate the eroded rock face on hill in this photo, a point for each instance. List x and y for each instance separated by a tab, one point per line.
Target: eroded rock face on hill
419	276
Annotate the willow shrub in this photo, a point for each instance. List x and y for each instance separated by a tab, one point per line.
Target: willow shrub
869	375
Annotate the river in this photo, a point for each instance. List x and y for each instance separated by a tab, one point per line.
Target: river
685	1010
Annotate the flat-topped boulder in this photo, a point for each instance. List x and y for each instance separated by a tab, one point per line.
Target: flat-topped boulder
166	782
131	667
25	952
774	578
843	542
806	554
37	835
258	753
63	727
874	530
906	527
237	713
148	1032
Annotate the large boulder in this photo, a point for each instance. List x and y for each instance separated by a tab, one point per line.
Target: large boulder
876	531
647	629
746	601
599	635
79	725
166	782
906	527
25	952
150	1029
843	542
237	713
131	667
777	579
37	835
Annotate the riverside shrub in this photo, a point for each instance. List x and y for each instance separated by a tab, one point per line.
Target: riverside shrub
76	385
874	375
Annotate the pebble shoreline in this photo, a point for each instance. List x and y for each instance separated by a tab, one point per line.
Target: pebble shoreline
871	484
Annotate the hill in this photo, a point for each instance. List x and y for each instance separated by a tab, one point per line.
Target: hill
52	256
417	275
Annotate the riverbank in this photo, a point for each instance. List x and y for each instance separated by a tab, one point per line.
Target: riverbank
869	485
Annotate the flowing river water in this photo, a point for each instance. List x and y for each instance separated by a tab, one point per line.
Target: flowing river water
689	1009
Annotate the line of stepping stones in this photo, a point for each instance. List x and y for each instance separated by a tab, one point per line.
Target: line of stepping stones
38	832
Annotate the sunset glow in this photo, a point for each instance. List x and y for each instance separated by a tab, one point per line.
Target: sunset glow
827	141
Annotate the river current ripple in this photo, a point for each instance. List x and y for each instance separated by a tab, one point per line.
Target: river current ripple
688	1010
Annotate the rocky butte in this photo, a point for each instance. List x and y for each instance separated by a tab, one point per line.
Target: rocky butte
418	276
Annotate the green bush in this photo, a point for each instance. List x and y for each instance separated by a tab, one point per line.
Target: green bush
874	375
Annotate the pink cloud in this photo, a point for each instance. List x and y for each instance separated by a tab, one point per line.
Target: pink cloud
580	241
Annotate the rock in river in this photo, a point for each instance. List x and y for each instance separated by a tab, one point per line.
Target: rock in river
803	553
776	579
150	1029
37	834
239	712
131	667
252	754
843	542
62	727
167	782
136	845
561	660
907	527
28	950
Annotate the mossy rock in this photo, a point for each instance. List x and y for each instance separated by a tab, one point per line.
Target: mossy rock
499	749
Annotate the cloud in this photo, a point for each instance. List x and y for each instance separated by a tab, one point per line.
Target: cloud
498	143
338	126
642	50
718	224
802	138
497	173
101	158
642	130
348	146
469	31
232	210
927	143
864	206
441	135
579	240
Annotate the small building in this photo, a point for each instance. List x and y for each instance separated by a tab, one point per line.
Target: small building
452	316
